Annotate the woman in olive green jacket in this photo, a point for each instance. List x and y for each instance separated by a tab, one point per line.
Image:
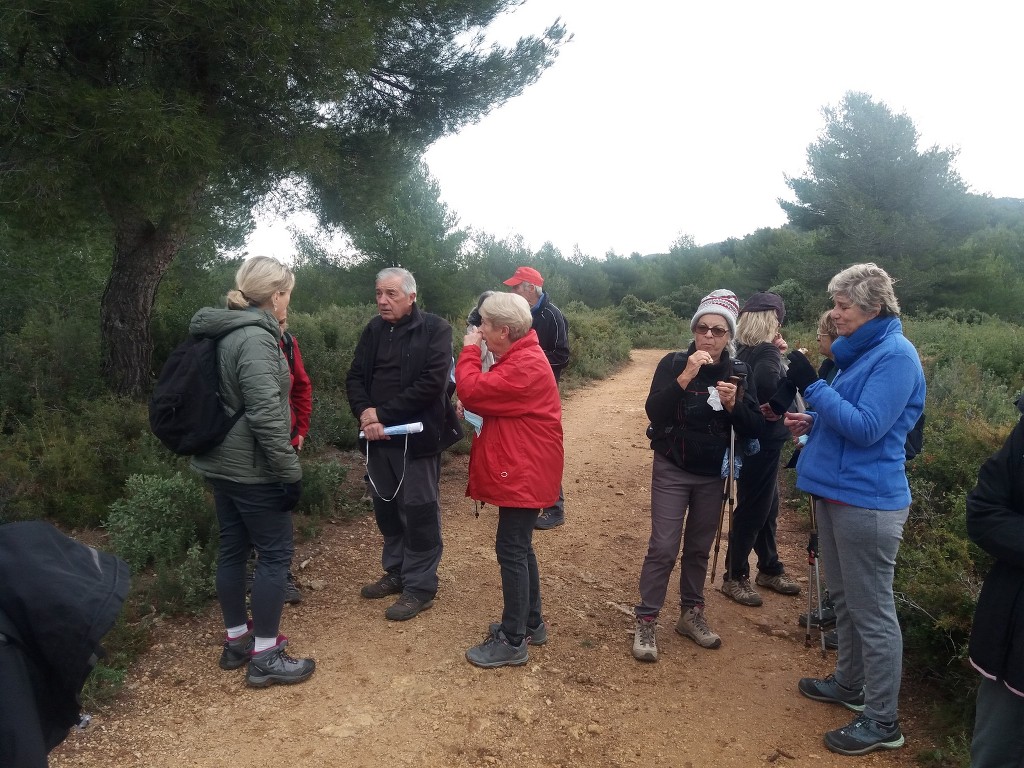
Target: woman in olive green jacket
255	471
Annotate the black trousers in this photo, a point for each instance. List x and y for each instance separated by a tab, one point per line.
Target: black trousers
756	517
26	736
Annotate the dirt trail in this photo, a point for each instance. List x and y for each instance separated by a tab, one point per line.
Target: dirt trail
401	694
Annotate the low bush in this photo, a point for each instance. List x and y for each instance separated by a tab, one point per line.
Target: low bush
158	520
597	342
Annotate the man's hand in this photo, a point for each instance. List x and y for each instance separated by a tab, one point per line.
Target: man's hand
372	428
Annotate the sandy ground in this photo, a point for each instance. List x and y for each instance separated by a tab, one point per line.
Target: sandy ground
402	694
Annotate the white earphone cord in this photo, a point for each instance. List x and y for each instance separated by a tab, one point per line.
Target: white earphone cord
401	480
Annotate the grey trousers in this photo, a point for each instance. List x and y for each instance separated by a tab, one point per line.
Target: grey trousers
405	502
684	512
998	736
859	545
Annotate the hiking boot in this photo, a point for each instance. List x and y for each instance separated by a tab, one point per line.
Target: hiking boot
534	635
497	651
832	692
292	595
275	666
388	584
741	591
864	735
780	582
832	640
406	607
819	619
237	651
693	625
645	644
549	518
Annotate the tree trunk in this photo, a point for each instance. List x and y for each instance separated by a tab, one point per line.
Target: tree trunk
142	254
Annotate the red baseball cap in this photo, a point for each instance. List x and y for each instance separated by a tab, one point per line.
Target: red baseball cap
525	275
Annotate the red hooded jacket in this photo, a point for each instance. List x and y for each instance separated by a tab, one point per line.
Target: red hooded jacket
516	460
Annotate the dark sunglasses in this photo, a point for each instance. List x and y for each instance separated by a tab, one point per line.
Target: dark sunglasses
716	330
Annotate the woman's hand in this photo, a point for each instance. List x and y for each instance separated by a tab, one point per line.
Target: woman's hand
459	410
798	424
693	365
473	337
727	392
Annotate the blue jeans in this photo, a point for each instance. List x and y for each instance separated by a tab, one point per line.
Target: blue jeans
253	517
858	547
520	579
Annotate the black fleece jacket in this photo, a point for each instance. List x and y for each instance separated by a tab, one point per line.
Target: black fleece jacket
995	522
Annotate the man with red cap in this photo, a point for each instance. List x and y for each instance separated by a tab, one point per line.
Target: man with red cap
553	335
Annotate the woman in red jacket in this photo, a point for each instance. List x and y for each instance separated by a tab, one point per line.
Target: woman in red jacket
515	463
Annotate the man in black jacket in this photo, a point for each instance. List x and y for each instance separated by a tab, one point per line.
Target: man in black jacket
399	375
58	599
995	522
553	336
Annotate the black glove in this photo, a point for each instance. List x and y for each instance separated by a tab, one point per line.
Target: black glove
783	398
292	494
801	372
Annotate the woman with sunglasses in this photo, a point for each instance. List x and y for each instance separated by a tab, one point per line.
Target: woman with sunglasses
694	408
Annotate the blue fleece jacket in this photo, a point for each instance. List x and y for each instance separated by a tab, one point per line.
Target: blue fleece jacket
855	450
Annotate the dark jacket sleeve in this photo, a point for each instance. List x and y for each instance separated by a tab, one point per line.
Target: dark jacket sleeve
766	370
747	417
355	381
427	385
995	508
553	336
665	393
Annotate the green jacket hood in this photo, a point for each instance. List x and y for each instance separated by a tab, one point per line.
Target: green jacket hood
214	322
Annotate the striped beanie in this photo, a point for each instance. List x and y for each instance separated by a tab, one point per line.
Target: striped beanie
720	302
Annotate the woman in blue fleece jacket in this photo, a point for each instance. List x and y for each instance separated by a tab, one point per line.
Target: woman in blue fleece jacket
853	466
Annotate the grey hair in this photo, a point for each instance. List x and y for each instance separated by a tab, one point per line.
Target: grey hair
408	281
257	280
509	309
534	289
868	286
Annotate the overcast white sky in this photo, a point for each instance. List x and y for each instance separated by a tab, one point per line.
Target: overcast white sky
669	117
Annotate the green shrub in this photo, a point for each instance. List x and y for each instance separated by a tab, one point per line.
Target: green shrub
597	342
51	360
158	520
323	488
185	583
650	325
70	463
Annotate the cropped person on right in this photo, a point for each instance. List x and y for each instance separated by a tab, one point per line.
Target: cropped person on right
995	522
853	466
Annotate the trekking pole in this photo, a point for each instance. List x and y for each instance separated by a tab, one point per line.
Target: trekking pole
721	521
812	556
727	497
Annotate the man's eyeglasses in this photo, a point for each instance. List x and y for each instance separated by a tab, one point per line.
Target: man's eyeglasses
716	330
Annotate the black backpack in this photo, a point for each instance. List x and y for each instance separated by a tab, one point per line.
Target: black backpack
185	411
